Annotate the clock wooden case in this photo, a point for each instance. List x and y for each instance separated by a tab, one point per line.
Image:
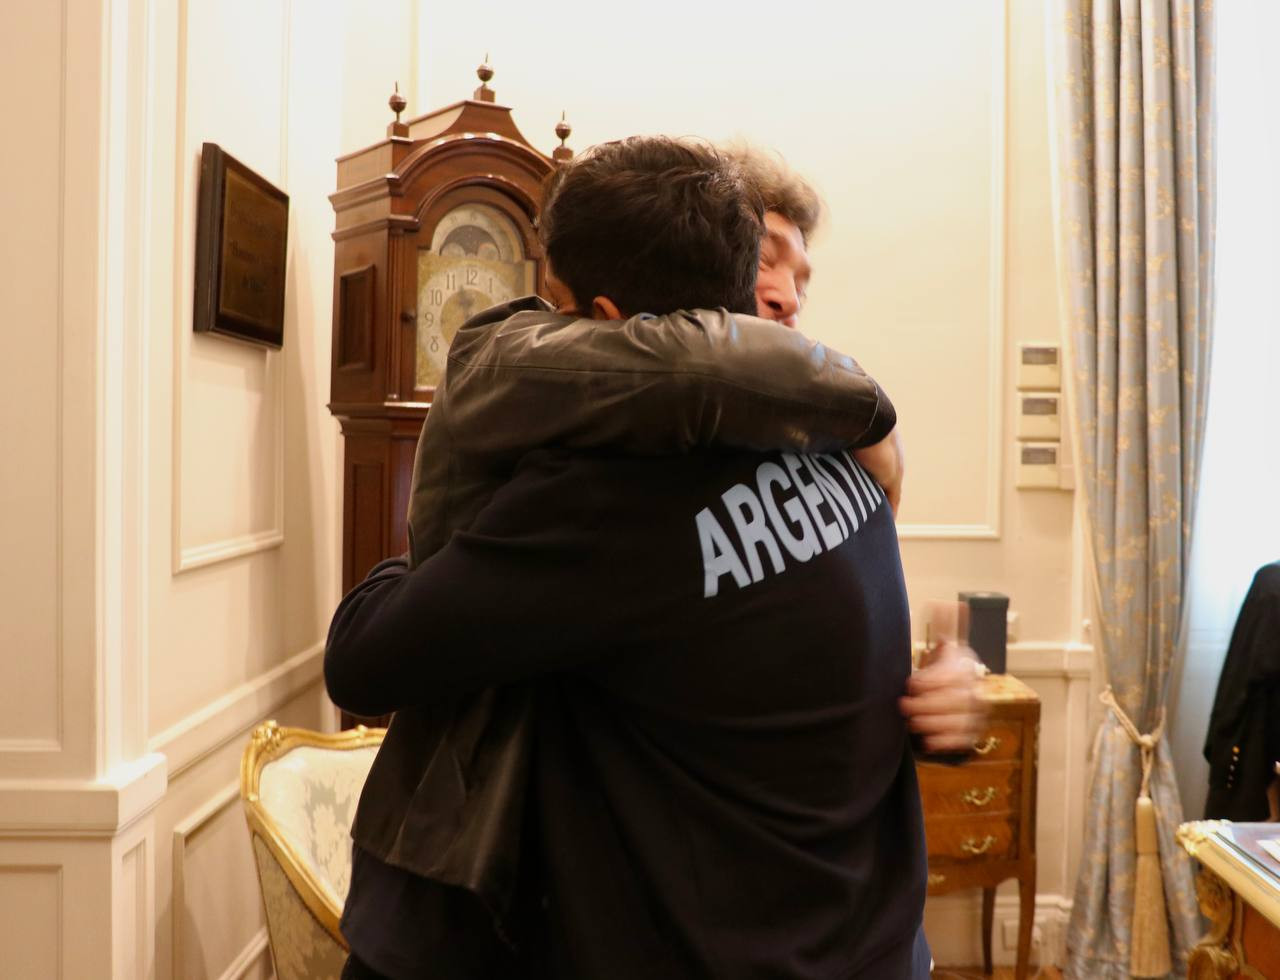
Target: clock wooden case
433	224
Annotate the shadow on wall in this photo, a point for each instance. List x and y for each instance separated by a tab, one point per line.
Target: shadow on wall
307	558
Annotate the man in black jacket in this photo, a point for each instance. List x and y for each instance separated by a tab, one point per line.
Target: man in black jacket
1242	745
581	574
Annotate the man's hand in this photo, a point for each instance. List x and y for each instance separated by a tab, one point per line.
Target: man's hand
884	461
942	702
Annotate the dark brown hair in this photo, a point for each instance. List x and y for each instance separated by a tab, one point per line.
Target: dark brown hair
780	188
656	225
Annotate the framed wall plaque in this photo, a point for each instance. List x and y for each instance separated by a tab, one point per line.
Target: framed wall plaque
241	236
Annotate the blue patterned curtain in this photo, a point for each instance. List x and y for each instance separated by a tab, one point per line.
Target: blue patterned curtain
1134	130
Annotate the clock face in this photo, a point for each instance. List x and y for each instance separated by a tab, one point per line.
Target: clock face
476	260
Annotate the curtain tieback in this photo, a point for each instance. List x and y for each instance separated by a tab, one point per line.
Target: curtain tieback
1146	743
1149	944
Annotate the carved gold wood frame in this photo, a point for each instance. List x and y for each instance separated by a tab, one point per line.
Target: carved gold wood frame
1220	954
268	743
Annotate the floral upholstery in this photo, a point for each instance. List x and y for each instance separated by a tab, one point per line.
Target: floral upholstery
311	793
300	789
301	947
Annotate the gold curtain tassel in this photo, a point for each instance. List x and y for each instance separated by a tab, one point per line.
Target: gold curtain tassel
1149	949
1149	943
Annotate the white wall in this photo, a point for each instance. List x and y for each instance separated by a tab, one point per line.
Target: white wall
176	511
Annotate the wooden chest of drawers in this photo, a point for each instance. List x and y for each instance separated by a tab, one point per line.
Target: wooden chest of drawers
980	818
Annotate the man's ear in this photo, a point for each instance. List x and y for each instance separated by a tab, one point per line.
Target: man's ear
603	308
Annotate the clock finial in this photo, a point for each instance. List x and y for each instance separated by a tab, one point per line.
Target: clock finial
397	103
563	129
484	73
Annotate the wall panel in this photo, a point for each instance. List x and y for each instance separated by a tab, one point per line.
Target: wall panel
228	397
31	257
919	290
206	861
31	932
215	888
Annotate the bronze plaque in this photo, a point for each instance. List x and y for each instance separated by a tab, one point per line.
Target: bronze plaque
241	242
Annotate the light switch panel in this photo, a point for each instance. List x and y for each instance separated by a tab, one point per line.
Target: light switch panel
1038	416
1038	465
1039	366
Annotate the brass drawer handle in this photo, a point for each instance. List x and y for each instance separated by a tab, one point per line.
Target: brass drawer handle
979	797
936	879
971	846
987	745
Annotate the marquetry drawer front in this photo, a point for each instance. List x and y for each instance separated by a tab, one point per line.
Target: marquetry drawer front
970	838
983	788
1001	740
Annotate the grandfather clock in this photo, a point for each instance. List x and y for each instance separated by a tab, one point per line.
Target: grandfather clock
434	224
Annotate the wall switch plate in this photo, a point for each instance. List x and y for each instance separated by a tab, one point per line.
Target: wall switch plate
1038	467
1038	416
1039	366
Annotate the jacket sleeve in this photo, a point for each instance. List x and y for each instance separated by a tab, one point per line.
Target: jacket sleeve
498	603
658	385
450	626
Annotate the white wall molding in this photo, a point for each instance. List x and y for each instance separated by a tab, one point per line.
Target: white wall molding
123	382
250	955
215	552
950	532
83	808
1049	938
1068	660
133	908
953	925
201	815
1064	660
217	723
989	528
23	745
60	382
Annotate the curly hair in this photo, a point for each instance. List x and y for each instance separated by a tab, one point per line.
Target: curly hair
780	188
